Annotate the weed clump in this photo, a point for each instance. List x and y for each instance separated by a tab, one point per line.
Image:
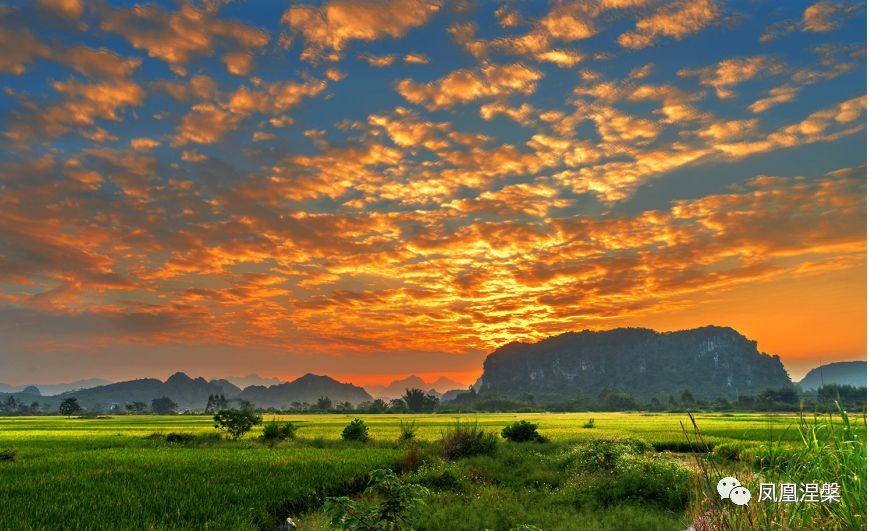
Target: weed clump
522	431
734	451
466	439
394	506
407	431
638	478
180	438
275	431
8	454
357	430
605	454
589	425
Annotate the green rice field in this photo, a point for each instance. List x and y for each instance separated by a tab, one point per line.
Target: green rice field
119	472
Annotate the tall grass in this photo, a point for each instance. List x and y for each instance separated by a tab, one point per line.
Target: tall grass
830	449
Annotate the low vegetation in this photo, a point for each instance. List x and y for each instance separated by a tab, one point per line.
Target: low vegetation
831	449
407	430
357	430
467	439
236	422
522	431
390	504
621	475
276	431
8	454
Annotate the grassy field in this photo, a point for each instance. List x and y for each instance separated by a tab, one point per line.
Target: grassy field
97	473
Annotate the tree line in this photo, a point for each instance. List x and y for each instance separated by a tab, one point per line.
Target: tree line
418	401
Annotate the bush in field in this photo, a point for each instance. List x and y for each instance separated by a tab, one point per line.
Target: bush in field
605	454
275	431
522	431
355	431
393	508
180	438
407	430
639	479
442	476
732	450
589	425
8	454
236	422
466	439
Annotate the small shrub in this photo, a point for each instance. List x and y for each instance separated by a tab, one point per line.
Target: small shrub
442	476
589	425
236	422
522	431
356	431
605	454
466	439
394	507
275	431
731	450
412	459
407	430
8	454
643	479
179	438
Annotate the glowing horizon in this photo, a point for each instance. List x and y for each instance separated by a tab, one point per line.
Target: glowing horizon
371	190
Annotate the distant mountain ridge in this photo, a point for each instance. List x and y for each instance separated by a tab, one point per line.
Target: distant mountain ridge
54	389
252	379
710	361
192	393
308	388
396	388
840	372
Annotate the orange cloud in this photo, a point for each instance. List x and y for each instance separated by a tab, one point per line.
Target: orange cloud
71	9
330	27
676	20
204	124
462	86
827	16
776	96
731	72
179	36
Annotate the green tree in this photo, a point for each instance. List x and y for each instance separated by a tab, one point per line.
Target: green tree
397	405
136	408
236	422
216	403
163	406
378	406
69	406
616	400
418	401
324	403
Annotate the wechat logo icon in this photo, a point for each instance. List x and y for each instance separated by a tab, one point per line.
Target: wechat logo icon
730	488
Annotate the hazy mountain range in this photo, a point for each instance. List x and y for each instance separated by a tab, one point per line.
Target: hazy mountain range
55	389
398	387
840	372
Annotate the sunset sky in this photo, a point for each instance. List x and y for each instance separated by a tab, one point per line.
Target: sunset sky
370	189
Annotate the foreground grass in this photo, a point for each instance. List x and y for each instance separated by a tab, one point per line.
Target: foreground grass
125	482
831	449
98	473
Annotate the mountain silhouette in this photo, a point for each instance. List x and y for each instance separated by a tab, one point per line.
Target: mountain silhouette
710	361
840	372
